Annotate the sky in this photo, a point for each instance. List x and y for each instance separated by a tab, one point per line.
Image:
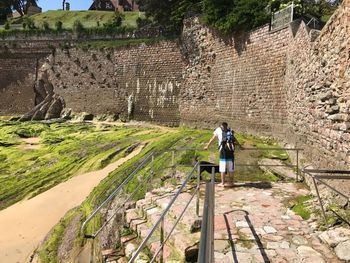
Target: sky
57	4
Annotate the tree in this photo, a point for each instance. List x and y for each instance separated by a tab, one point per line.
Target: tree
4	11
321	9
19	5
63	4
228	15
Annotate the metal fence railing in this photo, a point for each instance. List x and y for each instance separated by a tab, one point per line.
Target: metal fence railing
318	176
282	18
206	243
146	166
161	219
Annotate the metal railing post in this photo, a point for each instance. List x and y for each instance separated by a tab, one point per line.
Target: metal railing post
297	175
320	201
162	241
211	223
172	158
198	193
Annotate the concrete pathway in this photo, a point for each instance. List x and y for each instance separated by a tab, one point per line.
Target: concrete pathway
253	225
25	224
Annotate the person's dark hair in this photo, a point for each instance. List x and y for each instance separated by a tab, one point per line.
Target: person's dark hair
224	126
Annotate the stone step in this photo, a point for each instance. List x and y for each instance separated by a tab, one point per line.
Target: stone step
147	213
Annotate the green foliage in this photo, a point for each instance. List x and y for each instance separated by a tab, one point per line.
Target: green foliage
78	27
228	15
46	26
299	206
28	22
7	26
160	11
321	9
184	8
59	25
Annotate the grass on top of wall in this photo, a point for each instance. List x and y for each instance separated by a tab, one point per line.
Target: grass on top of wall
98	44
89	19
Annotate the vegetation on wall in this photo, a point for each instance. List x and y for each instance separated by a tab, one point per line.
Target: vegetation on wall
230	15
91	22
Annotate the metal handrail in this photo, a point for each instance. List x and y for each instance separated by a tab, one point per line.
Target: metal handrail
312	172
206	244
162	218
112	195
150	157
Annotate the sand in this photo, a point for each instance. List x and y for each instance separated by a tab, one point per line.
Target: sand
25	224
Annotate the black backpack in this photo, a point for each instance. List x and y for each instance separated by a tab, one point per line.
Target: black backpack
227	143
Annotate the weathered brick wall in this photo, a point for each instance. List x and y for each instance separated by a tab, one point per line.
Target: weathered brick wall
318	84
238	79
148	78
18	65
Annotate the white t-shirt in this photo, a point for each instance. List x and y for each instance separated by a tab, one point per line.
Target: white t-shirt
218	134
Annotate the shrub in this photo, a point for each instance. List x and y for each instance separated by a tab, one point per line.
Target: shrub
7	25
59	25
78	26
46	26
141	22
29	23
118	18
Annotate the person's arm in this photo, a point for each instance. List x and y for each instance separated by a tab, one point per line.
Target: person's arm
210	141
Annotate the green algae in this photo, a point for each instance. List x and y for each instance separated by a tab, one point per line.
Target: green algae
157	140
299	206
63	151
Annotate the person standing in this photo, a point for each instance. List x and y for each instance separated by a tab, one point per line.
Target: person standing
227	142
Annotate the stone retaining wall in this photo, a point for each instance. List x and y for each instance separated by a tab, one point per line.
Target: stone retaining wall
238	79
18	68
292	84
142	82
318	84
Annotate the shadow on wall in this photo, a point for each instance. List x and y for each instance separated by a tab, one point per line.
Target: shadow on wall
239	39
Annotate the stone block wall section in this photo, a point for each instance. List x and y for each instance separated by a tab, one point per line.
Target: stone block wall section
238	79
318	85
142	82
290	84
19	61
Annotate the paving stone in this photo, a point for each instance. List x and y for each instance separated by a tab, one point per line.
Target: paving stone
308	254
343	250
271	237
221	245
272	245
334	237
269	229
284	245
299	240
241	224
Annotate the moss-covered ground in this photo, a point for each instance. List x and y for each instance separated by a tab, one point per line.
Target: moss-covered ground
62	150
56	153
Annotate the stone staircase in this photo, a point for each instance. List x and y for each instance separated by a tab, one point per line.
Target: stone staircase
142	216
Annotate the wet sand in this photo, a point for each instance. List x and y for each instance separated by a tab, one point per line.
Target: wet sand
25	224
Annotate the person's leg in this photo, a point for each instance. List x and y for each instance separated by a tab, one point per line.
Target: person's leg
222	169
231	172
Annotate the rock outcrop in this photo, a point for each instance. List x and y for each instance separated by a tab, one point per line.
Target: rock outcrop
48	105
